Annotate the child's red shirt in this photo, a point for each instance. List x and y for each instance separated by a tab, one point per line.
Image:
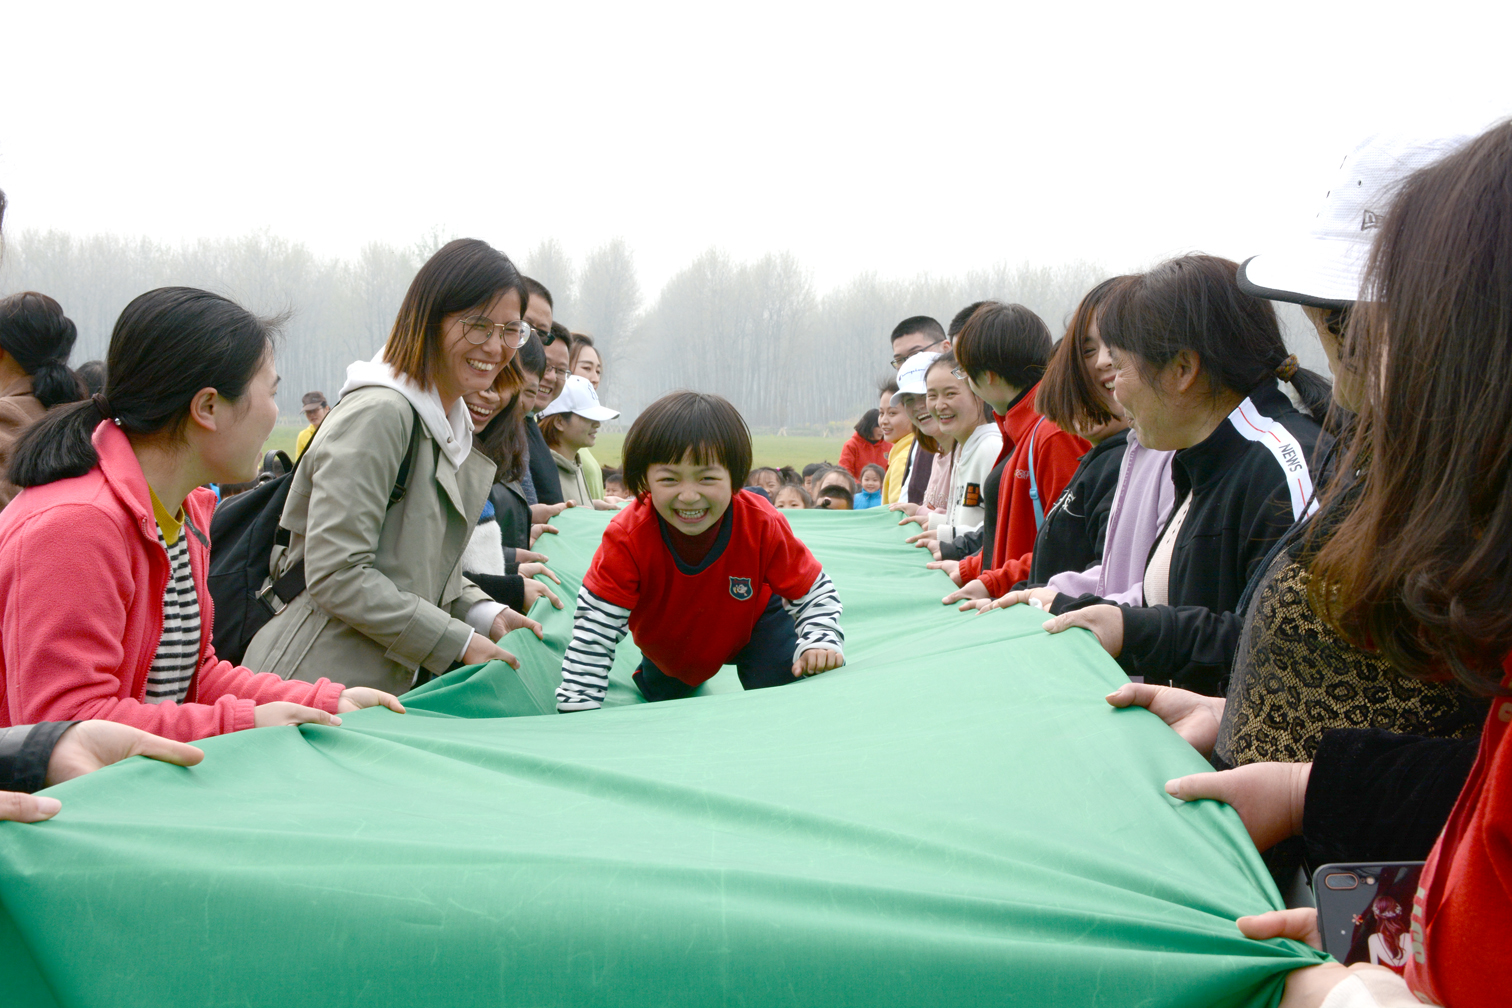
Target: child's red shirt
690	620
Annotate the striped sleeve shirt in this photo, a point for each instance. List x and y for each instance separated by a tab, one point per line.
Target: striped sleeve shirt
177	657
599	626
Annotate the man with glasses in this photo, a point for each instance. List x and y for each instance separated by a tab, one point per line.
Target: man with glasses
915	335
545	484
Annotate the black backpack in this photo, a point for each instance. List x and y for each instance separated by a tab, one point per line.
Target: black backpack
243	533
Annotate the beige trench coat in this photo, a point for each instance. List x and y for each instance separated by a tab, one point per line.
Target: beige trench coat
385	596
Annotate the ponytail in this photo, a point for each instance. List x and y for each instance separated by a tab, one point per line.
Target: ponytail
167	345
1315	391
56	447
36	333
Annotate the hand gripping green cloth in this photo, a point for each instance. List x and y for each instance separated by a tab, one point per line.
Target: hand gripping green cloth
955	818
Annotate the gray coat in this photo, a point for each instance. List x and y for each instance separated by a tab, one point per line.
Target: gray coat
385	594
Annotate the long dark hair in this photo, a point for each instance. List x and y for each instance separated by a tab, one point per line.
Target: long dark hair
1194	303
867	424
1420	570
34	330
504	440
167	345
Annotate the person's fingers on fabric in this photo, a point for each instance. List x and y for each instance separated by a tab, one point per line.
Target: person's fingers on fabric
285	712
536	531
1298	924
952	569
1191	715
535	591
361	697
816	660
977	605
1011	599
89	745
509	621
972	590
934	549
903	506
1105	622
18	807
480	649
528	556
531	570
1269	797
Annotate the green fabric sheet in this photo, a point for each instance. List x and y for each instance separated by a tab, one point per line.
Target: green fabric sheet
955	818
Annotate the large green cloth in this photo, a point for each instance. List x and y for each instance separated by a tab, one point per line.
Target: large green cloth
955	818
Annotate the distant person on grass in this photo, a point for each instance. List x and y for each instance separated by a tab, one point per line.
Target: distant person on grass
867	446
315	409
699	573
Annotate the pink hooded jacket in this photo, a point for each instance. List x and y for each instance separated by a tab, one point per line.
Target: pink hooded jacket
81	609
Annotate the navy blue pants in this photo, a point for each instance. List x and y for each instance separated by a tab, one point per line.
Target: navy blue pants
765	660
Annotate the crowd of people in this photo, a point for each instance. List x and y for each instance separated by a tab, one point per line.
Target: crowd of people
1307	578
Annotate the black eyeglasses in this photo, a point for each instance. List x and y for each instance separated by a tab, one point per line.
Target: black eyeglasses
898	362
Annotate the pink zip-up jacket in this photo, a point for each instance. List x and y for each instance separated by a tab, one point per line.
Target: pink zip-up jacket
82	576
1140	506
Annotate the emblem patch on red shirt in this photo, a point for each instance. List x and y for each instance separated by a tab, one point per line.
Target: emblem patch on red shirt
740	588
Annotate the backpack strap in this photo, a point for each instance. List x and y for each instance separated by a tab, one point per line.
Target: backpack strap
292	584
1034	494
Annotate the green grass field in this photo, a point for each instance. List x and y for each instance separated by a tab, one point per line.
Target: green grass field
770	450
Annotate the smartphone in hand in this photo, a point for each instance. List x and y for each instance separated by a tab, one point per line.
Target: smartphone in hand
1365	911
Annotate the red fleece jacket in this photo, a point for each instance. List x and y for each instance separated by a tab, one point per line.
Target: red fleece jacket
859	453
1462	917
1056	454
81	609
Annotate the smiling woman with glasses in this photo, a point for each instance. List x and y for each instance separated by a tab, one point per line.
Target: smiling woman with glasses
397	453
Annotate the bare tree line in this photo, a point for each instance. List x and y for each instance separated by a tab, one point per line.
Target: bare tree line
755	332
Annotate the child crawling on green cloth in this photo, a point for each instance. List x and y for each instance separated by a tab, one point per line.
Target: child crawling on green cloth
700	575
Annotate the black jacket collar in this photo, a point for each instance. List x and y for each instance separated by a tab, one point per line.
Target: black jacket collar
1210	459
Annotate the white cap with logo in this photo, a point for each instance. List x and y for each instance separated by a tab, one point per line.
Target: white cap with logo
911	375
580	397
1326	268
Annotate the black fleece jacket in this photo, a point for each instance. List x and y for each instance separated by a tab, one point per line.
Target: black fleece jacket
1072	537
543	469
1246	487
1377	796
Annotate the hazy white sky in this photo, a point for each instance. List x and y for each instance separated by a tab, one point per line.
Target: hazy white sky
860	136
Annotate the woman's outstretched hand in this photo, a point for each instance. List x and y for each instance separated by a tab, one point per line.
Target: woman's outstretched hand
1105	622
1269	797
358	697
1191	715
480	649
285	712
90	745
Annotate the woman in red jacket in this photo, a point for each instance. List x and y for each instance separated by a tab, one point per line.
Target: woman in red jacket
866	446
104	612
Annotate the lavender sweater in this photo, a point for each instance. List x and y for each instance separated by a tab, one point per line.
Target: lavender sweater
1141	505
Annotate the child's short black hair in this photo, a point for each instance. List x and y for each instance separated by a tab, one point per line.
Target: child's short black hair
790	476
838	493
814	467
683	423
873	467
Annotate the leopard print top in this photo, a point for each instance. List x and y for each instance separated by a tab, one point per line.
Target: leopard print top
1295	678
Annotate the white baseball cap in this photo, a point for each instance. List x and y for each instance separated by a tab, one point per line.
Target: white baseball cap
1325	268
580	397
911	375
